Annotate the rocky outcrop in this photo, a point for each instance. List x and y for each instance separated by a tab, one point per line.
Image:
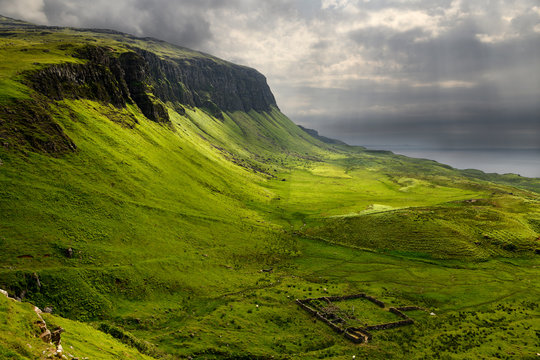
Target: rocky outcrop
135	75
106	77
196	80
50	337
203	81
315	134
101	78
143	78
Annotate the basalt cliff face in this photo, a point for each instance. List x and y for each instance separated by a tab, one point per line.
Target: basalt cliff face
120	74
199	81
143	78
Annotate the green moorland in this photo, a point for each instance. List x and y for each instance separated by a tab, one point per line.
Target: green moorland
148	239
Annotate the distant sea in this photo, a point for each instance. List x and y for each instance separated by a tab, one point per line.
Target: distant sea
525	162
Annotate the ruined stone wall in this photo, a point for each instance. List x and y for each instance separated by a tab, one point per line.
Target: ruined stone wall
389	325
410	308
349	297
398	313
357	335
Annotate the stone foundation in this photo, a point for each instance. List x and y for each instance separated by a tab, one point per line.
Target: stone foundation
354	334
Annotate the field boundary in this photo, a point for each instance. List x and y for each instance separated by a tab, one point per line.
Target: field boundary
354	334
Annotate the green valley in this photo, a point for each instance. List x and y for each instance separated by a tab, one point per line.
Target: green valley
160	204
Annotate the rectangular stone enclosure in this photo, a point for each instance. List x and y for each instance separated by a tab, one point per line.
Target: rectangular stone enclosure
351	322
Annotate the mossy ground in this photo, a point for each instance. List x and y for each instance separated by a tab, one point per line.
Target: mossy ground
171	226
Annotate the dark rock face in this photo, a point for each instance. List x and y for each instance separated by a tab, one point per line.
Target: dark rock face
56	336
134	69
105	77
100	79
204	81
127	78
324	139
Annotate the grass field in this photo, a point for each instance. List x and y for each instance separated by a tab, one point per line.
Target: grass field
158	234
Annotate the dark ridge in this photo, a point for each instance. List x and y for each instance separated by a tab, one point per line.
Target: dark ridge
324	139
202	81
379	152
105	77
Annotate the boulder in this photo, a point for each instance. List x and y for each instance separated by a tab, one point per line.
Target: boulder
46	336
56	336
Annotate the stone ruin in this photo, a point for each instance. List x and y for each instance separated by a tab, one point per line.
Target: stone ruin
330	315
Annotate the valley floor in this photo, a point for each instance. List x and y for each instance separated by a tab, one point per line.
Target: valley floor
480	310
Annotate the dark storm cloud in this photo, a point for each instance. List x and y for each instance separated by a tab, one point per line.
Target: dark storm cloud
180	23
475	117
183	22
445	72
457	54
469	128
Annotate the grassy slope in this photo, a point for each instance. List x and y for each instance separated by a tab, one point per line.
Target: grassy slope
18	336
169	230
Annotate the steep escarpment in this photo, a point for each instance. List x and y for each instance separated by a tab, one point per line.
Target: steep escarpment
140	76
196	80
106	77
315	134
123	76
204	81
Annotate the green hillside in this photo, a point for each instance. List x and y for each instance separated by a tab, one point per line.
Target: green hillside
19	337
144	187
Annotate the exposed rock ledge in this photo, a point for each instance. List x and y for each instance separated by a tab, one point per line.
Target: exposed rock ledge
50	337
143	78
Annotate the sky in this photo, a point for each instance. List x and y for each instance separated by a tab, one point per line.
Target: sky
444	74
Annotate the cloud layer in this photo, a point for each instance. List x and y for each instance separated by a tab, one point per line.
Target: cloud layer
448	73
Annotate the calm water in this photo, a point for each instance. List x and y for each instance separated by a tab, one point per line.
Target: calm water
522	162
